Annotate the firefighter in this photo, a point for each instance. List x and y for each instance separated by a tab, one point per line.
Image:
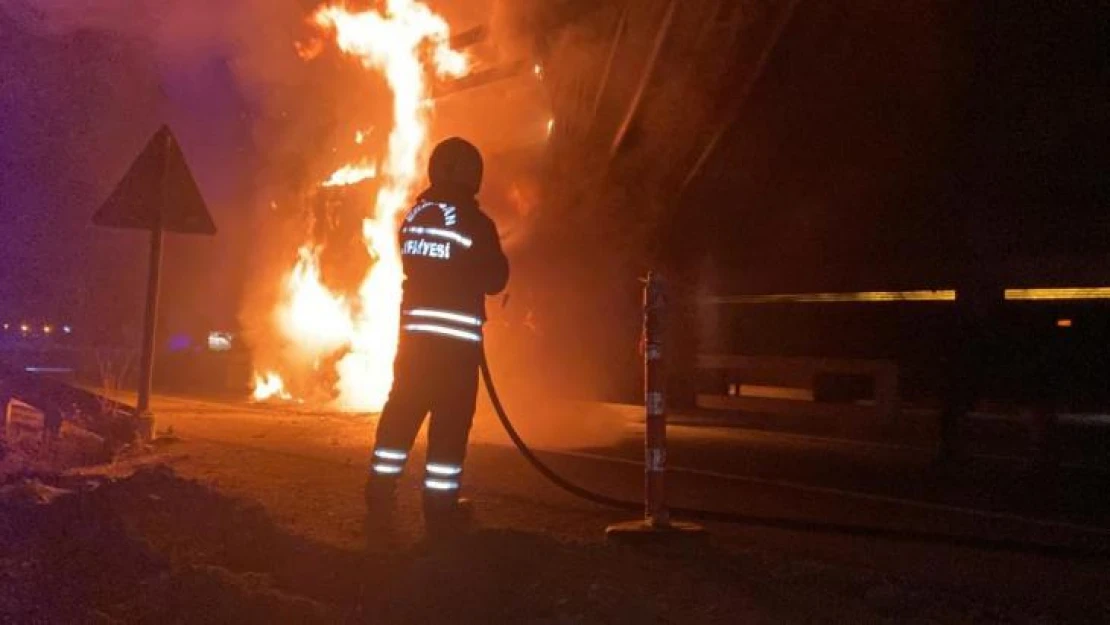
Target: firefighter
452	260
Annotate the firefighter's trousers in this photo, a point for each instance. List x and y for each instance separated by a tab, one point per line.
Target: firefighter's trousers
433	375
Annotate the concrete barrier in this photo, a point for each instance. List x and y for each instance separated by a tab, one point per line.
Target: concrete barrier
23	421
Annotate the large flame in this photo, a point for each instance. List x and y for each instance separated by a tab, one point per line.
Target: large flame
269	386
351	174
312	315
405	42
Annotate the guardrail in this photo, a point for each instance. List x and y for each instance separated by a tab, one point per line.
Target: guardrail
819	387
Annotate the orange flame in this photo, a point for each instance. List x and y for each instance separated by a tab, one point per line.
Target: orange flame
405	42
269	386
351	174
318	320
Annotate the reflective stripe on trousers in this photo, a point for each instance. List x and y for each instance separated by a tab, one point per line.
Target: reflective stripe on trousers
388	461
440	476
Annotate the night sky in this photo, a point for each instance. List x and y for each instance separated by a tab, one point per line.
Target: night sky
903	145
76	107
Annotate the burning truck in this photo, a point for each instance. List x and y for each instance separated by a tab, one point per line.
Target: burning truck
331	336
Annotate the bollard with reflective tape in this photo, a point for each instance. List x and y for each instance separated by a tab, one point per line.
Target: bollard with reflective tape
657	523
655	438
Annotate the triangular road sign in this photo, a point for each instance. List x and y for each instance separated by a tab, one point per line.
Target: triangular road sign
158	191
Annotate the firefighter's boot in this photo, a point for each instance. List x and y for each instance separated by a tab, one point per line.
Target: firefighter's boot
381	512
446	516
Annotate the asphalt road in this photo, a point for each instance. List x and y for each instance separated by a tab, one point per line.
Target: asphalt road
939	554
758	474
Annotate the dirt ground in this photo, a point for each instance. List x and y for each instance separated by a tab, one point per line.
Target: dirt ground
203	531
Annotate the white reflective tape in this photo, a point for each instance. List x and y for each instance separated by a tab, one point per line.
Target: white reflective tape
445	315
449	212
654	351
387	469
390	454
654	404
656	460
439	233
445	331
435	484
443	469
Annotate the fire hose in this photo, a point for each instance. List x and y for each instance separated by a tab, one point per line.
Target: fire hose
1098	550
718	516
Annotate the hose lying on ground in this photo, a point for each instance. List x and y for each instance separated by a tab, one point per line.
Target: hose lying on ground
1094	551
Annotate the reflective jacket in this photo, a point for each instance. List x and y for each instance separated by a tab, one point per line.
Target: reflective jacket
452	260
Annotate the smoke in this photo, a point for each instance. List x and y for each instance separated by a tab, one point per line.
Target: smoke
546	384
259	126
254	38
553	423
223	74
255	33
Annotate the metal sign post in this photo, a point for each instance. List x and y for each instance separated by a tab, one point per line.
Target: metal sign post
157	194
150	318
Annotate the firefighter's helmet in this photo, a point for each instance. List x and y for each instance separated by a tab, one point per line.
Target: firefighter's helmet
455	162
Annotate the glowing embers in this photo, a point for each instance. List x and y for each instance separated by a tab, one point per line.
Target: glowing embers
269	386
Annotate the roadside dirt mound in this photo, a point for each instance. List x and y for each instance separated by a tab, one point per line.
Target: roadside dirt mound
73	557
155	547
